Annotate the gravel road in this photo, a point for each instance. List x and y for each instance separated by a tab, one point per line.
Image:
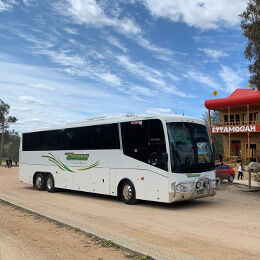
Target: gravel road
226	226
26	236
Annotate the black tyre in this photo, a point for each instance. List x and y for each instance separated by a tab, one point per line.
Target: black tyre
50	186
128	193
40	182
231	178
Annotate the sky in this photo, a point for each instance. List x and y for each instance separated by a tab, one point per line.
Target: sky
68	60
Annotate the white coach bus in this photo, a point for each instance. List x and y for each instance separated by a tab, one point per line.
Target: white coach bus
161	158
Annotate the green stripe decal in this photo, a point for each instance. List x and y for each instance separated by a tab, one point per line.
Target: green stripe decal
193	175
64	167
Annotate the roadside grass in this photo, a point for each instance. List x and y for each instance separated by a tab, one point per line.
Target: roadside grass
129	254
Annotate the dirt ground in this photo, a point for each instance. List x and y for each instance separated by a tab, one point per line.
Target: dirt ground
226	226
28	236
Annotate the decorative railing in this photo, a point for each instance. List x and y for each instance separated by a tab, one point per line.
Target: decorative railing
239	123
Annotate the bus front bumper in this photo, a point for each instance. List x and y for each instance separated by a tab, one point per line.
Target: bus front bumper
194	193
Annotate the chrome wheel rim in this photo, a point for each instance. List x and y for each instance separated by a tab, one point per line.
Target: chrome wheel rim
127	192
231	178
49	183
39	181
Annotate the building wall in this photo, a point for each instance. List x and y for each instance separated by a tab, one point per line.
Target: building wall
242	111
243	137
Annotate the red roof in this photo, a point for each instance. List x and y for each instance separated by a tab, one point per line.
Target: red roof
238	98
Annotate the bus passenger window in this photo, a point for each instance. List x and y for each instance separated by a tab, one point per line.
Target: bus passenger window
144	140
71	139
135	139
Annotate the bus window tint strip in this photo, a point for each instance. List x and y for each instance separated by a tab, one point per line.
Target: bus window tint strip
78	138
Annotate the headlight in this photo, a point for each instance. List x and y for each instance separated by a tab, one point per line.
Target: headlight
206	184
214	183
198	185
173	185
181	187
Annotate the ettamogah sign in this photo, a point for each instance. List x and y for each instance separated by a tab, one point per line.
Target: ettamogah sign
235	129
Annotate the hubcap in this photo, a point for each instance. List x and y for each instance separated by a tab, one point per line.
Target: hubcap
49	183
39	181
127	192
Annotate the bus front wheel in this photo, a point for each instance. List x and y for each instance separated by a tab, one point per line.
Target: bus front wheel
40	182
128	193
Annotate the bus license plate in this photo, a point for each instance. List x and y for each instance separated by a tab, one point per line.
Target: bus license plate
200	191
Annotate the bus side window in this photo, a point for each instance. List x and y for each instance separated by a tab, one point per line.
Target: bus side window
51	140
100	137
135	139
144	140
71	139
33	141
42	140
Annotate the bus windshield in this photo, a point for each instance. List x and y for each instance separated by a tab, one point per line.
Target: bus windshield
189	147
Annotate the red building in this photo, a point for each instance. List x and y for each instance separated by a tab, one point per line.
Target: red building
239	125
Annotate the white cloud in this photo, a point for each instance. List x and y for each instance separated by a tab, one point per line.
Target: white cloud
77	65
215	54
64	58
70	30
112	40
6	5
139	90
74	64
41	86
159	111
151	47
127	26
85	99
151	75
232	79
90	13
139	68
199	77
203	14
110	78
20	108
32	100
37	120
28	2
173	77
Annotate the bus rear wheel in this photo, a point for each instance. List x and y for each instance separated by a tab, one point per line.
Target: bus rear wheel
50	187
40	182
128	193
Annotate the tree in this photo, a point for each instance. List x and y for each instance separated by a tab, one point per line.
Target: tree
5	121
11	146
217	138
250	24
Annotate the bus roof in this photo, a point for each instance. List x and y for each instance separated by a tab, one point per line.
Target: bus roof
117	119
